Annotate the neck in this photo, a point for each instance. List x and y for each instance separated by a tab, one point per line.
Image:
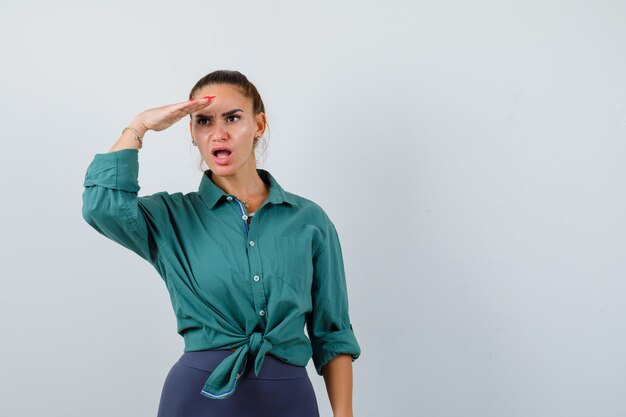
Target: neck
246	185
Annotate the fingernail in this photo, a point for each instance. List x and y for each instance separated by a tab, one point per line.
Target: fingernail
209	97
192	99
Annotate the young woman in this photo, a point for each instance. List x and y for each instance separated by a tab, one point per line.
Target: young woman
247	264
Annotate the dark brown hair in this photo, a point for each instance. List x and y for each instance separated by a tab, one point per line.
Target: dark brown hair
234	78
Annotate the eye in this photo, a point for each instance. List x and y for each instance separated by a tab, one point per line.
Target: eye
235	116
201	122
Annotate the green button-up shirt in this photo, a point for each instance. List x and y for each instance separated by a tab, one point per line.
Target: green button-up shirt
254	287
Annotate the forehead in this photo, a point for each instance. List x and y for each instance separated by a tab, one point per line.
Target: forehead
226	98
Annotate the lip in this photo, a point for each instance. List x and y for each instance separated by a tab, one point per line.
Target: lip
222	161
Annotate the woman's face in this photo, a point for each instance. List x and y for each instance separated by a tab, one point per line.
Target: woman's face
227	123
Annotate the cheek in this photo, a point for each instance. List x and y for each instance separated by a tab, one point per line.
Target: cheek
199	130
242	129
203	155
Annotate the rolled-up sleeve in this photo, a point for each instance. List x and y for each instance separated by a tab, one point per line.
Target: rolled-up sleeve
112	207
328	325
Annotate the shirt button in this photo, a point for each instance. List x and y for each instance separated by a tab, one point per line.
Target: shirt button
256	278
229	198
251	243
244	217
262	313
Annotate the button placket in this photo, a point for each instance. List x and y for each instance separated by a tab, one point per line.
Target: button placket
256	283
254	264
244	217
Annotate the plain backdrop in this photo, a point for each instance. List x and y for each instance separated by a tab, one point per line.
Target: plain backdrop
471	155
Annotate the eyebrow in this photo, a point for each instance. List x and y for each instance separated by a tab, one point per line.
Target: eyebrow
228	113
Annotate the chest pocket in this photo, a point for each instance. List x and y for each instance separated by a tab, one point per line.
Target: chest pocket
295	262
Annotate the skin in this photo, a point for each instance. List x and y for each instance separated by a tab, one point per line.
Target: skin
209	128
239	178
338	379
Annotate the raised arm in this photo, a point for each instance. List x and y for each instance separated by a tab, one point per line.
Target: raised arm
110	201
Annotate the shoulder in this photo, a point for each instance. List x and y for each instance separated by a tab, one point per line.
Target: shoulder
309	207
169	199
317	220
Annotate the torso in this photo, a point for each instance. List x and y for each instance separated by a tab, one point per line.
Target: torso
251	209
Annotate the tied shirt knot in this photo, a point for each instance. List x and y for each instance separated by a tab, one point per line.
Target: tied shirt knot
223	380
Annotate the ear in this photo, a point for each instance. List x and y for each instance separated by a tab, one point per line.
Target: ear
261	122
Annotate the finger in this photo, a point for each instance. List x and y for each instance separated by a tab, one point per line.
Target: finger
195	104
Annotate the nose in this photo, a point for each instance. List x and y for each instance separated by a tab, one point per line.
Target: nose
219	131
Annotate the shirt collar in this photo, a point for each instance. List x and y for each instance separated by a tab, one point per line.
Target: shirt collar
212	194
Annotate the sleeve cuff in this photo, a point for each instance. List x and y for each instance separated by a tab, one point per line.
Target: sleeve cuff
332	345
118	170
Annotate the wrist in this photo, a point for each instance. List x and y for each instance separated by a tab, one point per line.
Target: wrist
138	125
343	412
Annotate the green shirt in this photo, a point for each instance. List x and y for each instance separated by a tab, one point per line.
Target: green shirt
254	287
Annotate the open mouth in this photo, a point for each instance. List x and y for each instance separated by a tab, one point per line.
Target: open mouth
221	153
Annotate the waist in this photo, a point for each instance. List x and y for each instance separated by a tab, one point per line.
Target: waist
273	368
268	353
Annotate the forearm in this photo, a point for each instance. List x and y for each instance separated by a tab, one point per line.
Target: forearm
127	139
338	378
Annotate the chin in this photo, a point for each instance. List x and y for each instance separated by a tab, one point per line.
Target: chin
222	169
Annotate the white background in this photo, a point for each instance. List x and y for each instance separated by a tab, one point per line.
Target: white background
471	155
